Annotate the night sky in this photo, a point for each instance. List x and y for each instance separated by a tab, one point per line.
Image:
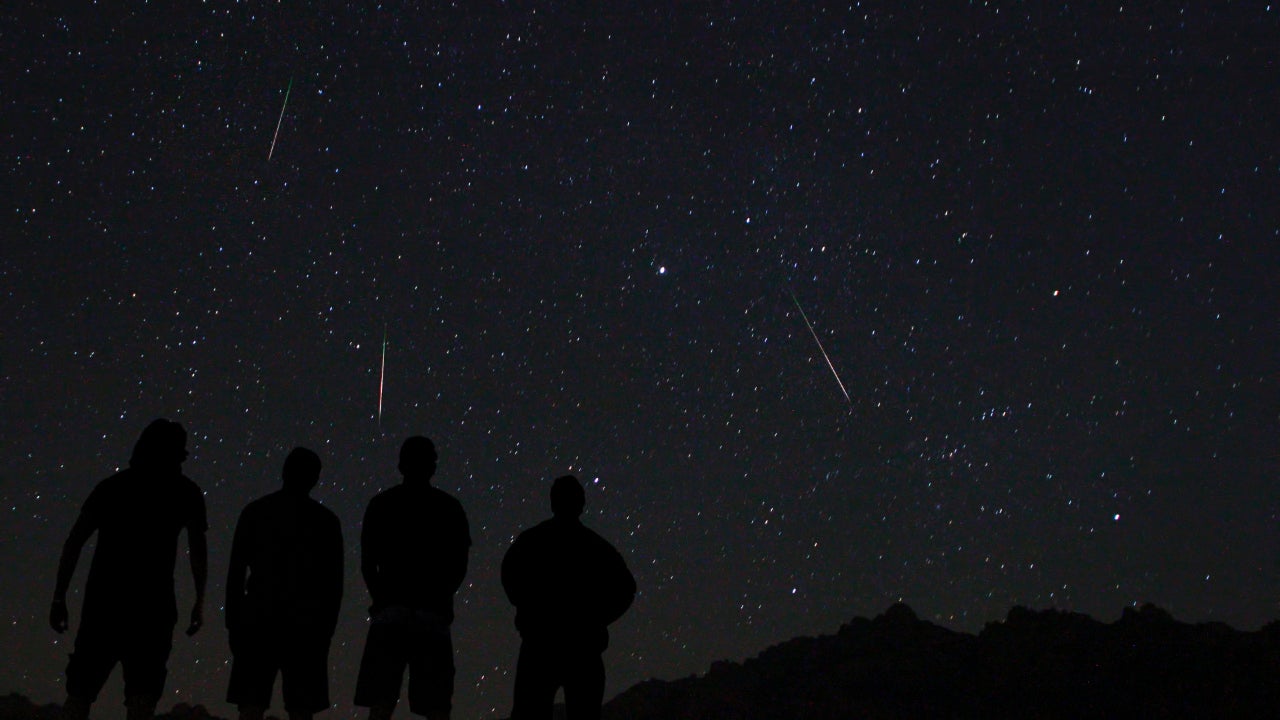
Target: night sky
1038	248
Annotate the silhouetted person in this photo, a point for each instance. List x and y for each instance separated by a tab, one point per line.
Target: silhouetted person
281	619
413	555
129	605
568	585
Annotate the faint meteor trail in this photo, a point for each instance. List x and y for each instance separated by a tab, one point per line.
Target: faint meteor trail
382	375
281	120
820	348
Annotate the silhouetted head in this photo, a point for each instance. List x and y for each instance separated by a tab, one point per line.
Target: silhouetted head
161	446
417	458
567	497
301	470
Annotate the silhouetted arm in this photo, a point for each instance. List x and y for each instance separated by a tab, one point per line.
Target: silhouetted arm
198	549
333	580
236	569
620	586
457	570
369	553
83	529
513	573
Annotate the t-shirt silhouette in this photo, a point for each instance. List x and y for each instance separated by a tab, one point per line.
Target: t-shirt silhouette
138	515
292	547
413	548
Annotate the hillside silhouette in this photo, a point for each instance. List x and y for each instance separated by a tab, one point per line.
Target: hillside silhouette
1042	664
17	707
1035	664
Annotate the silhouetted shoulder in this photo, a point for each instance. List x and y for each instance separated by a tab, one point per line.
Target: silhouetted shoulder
324	517
405	492
102	497
323	510
255	508
381	504
267	506
573	534
428	508
132	496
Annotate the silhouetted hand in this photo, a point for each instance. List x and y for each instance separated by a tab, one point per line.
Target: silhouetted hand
58	616
197	619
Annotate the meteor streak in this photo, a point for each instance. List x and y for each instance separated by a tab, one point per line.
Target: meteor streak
280	121
820	348
382	375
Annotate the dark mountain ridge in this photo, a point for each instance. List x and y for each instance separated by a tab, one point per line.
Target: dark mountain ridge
1034	664
1044	664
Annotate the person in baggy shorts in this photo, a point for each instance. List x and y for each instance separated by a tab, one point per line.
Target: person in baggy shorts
413	555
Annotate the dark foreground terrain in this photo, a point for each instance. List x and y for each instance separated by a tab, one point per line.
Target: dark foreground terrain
1035	664
17	707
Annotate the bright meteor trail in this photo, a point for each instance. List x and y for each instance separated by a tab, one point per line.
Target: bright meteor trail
281	120
382	375
820	348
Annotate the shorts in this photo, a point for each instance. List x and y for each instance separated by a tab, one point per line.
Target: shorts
418	640
301	660
141	648
548	665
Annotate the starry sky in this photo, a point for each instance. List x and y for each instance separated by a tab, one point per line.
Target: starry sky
655	245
